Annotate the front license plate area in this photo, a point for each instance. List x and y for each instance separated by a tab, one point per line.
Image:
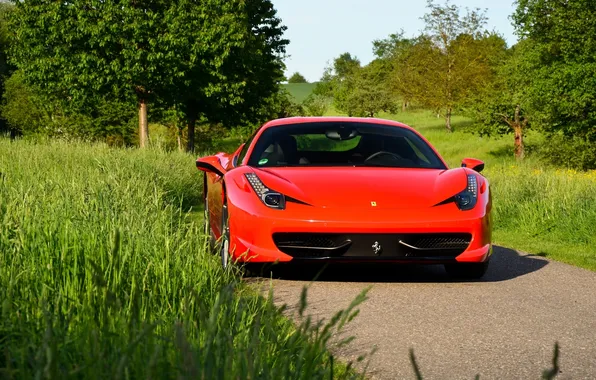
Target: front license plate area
374	246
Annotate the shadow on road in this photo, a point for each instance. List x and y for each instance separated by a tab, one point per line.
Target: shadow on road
506	264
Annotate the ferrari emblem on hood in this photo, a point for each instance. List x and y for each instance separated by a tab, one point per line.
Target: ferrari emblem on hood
373	203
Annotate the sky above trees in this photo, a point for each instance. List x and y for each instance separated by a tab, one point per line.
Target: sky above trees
320	30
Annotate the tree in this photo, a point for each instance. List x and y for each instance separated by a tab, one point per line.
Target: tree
184	53
28	113
394	53
366	92
220	90
356	90
345	65
562	66
449	62
21	108
503	105
316	105
297	78
5	68
120	48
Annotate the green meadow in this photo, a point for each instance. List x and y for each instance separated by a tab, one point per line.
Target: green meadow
299	91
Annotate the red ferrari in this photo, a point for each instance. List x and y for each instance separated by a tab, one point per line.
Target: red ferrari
341	189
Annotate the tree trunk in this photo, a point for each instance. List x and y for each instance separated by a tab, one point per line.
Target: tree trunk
448	120
519	134
404	106
519	142
143	125
190	147
179	139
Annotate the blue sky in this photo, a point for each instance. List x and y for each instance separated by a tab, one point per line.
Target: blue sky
320	30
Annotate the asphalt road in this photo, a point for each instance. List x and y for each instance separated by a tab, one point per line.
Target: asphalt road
502	327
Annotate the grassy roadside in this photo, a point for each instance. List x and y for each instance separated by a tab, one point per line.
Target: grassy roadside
103	275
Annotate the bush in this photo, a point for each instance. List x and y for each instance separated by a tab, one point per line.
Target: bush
316	105
575	153
28	113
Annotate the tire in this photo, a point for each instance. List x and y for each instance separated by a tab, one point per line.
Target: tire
207	227
467	270
224	244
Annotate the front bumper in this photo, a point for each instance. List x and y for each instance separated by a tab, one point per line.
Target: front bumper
252	233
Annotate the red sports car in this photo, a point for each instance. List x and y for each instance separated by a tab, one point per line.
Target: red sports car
344	189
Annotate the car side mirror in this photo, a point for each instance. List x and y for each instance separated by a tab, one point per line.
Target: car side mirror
211	164
473	164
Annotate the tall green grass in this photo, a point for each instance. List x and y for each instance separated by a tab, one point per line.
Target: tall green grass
104	275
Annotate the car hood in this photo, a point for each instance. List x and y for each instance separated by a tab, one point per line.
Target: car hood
365	187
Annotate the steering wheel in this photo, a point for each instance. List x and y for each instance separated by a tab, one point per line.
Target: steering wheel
383	152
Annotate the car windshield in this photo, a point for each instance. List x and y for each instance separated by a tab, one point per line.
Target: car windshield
342	144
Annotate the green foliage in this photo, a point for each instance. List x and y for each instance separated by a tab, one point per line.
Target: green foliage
363	92
5	67
216	88
316	105
21	107
562	63
30	114
503	106
356	91
96	282
182	53
442	68
569	152
392	46
297	78
345	65
281	104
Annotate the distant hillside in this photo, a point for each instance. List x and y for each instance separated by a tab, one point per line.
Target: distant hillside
299	91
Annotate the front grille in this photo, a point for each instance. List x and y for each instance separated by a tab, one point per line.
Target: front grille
311	244
440	241
407	246
307	240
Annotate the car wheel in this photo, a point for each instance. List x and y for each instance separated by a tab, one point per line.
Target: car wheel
467	270
224	246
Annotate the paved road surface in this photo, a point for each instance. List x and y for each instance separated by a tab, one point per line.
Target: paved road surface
503	327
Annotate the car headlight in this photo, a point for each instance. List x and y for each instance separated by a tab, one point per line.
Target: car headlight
270	198
466	200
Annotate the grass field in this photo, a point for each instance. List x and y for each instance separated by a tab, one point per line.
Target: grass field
299	91
104	275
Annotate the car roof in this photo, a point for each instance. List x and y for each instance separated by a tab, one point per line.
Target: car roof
331	119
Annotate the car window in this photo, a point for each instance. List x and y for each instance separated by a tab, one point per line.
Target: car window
238	159
343	144
319	142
